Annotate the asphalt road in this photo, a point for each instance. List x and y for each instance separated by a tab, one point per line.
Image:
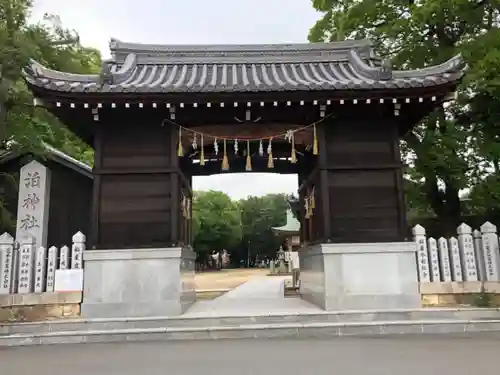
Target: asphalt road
407	355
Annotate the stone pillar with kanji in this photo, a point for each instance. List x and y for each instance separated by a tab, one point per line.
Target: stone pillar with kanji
33	203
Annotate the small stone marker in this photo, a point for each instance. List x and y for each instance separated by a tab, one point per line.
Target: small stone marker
64	258
7	263
444	260
434	260
468	257
456	263
51	269
295	260
40	269
422	255
491	251
77	250
26	260
478	249
33	203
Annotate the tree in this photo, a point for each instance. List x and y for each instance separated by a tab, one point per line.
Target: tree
216	222
258	216
21	124
442	151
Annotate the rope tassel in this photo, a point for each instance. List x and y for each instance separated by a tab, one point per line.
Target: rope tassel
315	141
180	151
248	166
270	161
293	157
202	152
225	161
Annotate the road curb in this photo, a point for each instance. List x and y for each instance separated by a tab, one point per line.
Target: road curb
292	330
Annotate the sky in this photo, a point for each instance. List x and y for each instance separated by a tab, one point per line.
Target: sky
192	22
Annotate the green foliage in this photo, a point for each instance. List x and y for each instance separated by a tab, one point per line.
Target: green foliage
220	223
258	216
483	300
457	147
8	189
22	125
53	46
216	222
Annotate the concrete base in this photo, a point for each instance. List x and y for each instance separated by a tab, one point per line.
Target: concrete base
360	276
138	282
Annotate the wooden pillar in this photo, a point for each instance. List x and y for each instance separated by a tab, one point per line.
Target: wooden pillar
175	189
403	219
96	190
323	180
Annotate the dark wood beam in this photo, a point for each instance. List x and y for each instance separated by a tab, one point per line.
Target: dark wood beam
229	97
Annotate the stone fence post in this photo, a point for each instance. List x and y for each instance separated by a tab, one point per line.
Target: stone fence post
6	263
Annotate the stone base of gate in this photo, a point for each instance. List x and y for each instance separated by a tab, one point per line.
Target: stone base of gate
360	276
138	282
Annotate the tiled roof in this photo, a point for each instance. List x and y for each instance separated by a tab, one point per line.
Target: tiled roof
143	68
292	224
54	154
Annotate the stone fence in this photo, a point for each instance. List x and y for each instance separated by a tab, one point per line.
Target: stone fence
25	269
471	256
39	283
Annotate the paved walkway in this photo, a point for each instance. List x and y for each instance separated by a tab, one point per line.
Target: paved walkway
258	288
408	355
258	296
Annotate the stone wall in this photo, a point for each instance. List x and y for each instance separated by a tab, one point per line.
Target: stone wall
39	306
466	293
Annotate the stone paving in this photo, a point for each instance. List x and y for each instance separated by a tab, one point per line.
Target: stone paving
258	296
227	278
408	355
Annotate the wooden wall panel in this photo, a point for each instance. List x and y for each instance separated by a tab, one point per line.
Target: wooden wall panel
136	195
130	147
70	203
364	206
363	167
135	210
359	144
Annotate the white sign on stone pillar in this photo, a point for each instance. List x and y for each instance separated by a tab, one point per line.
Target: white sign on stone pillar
422	255
64	258
51	268
26	260
40	269
33	203
491	251
468	257
434	259
478	249
444	260
77	250
7	263
455	261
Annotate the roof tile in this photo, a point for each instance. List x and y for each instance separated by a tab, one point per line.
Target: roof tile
255	68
